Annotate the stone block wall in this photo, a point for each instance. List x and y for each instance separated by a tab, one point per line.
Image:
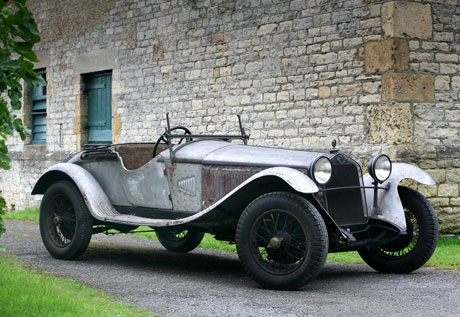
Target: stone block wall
375	75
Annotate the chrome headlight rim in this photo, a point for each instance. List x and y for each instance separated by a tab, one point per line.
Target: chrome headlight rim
373	164
314	173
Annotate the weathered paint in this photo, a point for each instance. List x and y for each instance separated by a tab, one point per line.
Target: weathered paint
146	186
225	153
101	207
390	208
185	184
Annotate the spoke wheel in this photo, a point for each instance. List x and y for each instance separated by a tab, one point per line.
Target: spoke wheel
65	222
179	240
62	221
406	244
409	252
281	241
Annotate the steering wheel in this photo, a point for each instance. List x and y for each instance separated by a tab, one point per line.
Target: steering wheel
162	138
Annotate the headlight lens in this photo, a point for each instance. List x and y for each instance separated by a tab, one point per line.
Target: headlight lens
380	168
322	170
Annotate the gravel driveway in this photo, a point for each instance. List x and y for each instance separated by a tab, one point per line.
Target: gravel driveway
210	283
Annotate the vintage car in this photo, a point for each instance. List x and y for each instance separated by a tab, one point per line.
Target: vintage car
284	209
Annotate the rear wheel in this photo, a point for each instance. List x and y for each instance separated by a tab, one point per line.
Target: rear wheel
282	241
409	252
65	222
179	240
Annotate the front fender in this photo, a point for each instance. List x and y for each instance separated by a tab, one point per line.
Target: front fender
389	204
94	196
294	178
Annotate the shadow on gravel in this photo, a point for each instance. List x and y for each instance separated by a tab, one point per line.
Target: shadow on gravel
154	261
204	265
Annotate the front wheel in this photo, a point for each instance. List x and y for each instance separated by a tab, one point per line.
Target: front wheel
179	240
282	241
65	222
409	252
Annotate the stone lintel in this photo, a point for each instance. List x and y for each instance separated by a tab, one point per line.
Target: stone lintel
408	87
391	54
407	19
105	59
390	124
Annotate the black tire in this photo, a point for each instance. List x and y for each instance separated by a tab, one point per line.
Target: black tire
408	253
65	222
181	241
282	241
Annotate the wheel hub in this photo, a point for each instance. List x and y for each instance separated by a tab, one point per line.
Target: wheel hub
57	219
275	243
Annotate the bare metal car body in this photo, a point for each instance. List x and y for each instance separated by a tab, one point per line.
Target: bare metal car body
209	182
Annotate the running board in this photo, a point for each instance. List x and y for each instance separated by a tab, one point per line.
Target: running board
141	216
142	221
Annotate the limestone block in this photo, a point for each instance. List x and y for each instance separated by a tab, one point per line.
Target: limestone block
324	92
392	54
448	190
406	86
456	83
407	19
428	191
455	201
116	129
166	69
265	29
158	52
77	125
442	83
350	89
218	38
390	124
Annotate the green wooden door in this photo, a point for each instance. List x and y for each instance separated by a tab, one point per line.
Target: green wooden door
99	88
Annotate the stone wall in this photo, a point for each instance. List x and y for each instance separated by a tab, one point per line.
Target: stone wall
375	75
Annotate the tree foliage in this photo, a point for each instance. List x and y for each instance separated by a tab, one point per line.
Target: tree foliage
18	34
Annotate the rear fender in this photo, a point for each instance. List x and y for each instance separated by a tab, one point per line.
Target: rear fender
389	204
94	196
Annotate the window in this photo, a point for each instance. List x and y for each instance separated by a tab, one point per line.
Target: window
38	111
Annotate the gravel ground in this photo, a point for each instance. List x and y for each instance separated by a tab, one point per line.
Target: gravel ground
210	283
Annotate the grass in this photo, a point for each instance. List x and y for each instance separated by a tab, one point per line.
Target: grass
25	214
446	256
24	292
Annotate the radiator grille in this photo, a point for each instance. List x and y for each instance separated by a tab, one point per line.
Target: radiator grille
346	207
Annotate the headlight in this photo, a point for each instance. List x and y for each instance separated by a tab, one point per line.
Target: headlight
379	168
321	170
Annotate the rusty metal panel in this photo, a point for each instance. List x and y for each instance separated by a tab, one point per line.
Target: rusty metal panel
218	181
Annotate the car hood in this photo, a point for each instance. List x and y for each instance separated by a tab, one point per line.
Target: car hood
225	153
